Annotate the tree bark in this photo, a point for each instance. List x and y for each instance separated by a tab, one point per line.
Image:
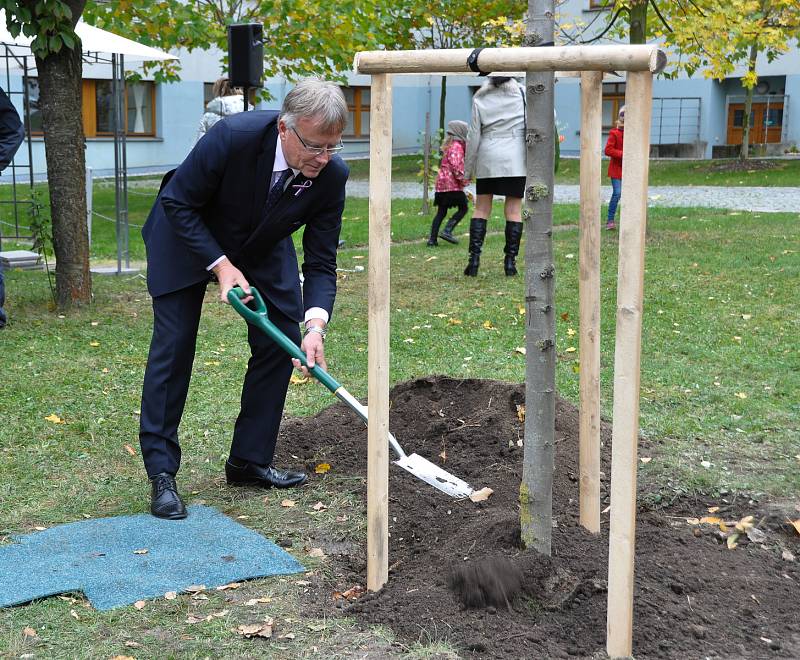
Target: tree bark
60	76
638	22
744	154
536	490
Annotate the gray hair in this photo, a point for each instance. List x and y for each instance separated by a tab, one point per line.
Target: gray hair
314	98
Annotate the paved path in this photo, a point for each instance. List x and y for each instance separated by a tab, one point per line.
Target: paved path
740	198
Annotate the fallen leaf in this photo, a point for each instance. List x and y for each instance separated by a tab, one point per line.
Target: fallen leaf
256	629
171	595
488	325
288	503
443	455
139	604
747	317
741	395
481	495
571	332
646	459
230	585
299	380
316	552
756	535
94	343
787	555
27	631
430	259
711	520
291	635
521	349
693	521
408	340
258	601
195	588
123	657
744	524
40	529
454	321
569	256
521	412
565	316
322	468
521	310
74	615
731	541
705	464
130	450
319	506
570	349
141	551
795	524
132	645
713	509
212	363
55	419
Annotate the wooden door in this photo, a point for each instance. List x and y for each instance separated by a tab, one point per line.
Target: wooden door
766	122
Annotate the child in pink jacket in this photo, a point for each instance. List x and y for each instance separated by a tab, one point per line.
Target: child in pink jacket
450	183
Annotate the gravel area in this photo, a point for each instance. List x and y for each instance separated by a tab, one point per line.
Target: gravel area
773	199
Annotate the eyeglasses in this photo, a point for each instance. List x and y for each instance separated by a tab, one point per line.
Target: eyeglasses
318	151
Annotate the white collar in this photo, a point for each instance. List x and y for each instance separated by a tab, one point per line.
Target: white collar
280	163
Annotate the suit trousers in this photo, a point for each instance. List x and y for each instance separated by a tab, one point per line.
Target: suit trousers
176	318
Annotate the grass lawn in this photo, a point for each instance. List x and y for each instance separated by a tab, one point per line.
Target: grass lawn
719	410
662	172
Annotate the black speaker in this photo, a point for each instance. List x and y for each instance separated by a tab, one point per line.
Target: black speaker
246	54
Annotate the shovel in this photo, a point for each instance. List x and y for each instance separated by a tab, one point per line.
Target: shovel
420	467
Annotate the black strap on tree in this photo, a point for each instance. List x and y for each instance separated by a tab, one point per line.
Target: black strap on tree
472	59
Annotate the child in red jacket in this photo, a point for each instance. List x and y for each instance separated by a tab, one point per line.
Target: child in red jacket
450	183
614	151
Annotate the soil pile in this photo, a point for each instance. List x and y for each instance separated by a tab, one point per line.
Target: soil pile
458	571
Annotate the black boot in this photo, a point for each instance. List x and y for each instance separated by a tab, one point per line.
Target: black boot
477	232
513	237
437	222
447	234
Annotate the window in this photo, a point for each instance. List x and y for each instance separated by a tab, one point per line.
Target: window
613	100
357	111
98	106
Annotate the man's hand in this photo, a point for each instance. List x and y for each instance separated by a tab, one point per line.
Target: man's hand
230	276
314	348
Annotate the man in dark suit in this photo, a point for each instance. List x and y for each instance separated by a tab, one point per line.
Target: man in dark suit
231	208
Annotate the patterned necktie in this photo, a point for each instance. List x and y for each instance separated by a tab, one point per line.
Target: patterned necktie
276	191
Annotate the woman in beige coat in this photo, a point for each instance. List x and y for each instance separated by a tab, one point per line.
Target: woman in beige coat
496	159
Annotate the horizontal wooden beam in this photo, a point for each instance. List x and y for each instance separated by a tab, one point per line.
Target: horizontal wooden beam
548	58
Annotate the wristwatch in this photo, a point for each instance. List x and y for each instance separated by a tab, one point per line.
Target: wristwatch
315	328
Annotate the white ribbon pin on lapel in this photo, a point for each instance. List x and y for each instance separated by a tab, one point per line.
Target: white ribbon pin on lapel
300	187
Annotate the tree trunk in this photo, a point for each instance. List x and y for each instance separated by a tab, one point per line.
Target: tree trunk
744	154
536	490
60	99
442	105
638	22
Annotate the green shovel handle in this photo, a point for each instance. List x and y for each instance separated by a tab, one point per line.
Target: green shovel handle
259	318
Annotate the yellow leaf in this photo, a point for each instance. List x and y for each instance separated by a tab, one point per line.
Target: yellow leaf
288	503
488	325
521	412
322	468
521	310
299	380
55	419
713	509
711	520
230	585
571	349
130	450
521	350
454	321
731	541
212	363
693	521
795	524
94	343
744	524
570	332
481	495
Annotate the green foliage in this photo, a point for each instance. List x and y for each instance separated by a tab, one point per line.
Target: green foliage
49	22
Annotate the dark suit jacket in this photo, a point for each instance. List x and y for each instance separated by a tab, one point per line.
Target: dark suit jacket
213	204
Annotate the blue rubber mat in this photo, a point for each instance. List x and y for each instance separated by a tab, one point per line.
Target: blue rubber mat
100	558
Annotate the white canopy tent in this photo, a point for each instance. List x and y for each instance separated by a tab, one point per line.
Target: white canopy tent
97	46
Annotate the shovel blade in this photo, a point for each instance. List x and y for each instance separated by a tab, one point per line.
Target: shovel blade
432	474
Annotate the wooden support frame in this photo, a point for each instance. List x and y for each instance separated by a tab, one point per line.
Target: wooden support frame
589	294
641	62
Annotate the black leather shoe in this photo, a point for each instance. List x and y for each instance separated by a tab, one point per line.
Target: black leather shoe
164	500
262	476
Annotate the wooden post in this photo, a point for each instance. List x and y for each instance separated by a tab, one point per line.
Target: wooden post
589	294
627	357
380	214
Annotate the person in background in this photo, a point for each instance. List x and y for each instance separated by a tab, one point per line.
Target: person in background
12	133
450	183
614	151
227	101
496	158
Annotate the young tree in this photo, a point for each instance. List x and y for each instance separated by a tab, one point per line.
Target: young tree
536	490
57	51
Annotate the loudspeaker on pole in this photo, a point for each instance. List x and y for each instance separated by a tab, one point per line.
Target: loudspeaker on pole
246	54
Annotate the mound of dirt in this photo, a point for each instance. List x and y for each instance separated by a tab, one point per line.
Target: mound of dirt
458	571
